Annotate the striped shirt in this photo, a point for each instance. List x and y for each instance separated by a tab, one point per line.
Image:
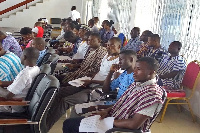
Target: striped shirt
169	64
10	66
158	54
138	97
90	65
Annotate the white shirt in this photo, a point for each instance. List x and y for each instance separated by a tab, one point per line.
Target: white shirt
82	50
105	68
74	15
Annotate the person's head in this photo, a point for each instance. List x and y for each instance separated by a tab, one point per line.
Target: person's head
145	35
2	36
86	36
83	29
94	40
145	69
29	56
113	46
135	32
108	24
127	59
38	43
38	24
26	33
73	8
91	23
174	48
154	40
70	37
96	20
2	51
102	24
76	29
69	27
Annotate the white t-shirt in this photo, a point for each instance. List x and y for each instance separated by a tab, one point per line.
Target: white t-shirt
82	50
105	68
74	15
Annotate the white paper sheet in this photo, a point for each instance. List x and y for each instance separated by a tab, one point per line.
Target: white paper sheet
79	82
93	124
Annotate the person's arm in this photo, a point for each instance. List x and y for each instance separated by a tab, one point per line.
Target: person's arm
95	108
106	84
104	113
169	75
131	123
5	83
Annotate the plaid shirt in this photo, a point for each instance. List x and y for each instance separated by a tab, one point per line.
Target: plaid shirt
138	96
90	65
169	64
158	54
133	44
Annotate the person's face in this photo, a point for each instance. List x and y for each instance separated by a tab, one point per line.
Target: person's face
81	33
67	27
27	37
173	48
103	24
75	31
151	42
113	47
90	24
134	33
144	37
93	41
141	72
125	61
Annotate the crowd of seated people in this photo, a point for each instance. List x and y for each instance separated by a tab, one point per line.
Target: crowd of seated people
104	62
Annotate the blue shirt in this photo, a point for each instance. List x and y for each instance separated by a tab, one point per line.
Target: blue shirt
10	66
122	82
106	36
76	45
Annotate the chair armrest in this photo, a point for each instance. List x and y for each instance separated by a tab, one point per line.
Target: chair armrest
123	130
10	103
13	121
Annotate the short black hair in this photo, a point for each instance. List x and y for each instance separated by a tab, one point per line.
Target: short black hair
77	26
129	53
91	21
117	39
31	53
155	37
71	25
25	31
73	8
148	33
136	28
68	34
152	63
179	44
97	35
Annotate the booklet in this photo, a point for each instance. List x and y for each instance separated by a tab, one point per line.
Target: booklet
93	124
79	82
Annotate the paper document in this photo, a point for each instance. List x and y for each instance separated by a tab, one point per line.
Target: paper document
79	82
93	124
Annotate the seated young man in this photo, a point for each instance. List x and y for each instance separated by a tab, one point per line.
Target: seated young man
138	107
155	51
127	60
20	86
172	67
90	66
27	36
10	43
10	65
71	95
39	44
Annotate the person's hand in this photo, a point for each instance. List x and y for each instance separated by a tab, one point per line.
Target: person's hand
70	66
86	82
114	67
103	114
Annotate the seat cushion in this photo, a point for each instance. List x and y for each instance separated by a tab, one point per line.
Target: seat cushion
176	93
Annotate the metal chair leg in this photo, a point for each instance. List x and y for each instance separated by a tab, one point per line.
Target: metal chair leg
163	114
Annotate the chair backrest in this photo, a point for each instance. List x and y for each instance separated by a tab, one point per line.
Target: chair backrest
41	102
45	68
44	59
191	75
53	60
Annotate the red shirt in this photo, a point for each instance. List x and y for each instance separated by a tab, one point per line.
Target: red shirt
40	31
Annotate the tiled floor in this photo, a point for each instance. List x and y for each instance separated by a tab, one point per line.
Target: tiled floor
173	122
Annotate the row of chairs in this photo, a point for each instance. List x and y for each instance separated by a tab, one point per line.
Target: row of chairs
37	102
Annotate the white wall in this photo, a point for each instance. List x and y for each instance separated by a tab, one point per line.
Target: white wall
48	9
